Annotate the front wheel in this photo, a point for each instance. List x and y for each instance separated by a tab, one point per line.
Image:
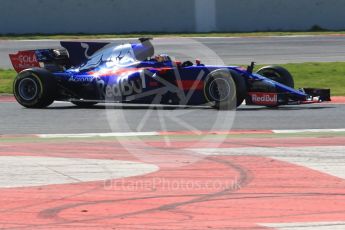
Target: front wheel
34	88
278	74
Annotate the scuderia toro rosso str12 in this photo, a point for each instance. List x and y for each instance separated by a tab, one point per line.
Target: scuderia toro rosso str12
87	73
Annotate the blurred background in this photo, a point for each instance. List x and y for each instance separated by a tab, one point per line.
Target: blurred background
179	16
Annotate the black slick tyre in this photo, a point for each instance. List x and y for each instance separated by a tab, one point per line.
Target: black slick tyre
220	90
34	88
278	74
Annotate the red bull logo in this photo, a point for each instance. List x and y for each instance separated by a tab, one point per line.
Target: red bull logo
264	98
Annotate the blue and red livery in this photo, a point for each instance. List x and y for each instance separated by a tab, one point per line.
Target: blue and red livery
87	73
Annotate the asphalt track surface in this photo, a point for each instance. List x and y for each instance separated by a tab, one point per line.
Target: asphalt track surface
263	50
67	118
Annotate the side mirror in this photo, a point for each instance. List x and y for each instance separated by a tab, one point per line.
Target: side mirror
250	68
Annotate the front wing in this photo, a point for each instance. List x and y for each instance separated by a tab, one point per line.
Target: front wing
312	95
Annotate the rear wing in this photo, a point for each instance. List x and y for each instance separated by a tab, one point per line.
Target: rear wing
73	54
24	60
50	59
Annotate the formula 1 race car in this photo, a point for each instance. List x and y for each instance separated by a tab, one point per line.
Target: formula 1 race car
87	73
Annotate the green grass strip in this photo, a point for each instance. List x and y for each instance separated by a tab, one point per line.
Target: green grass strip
137	35
316	75
6	80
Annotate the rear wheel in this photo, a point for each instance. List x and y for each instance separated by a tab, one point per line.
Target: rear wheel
278	74
34	88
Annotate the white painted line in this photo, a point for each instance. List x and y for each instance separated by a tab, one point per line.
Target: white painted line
308	131
154	133
334	151
88	135
326	159
21	171
176	36
70	39
307	226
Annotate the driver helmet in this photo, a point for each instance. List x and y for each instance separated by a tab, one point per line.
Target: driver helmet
162	58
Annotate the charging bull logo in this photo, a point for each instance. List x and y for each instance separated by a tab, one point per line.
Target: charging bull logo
86	47
264	98
24	60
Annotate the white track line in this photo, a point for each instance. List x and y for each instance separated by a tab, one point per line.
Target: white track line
22	171
176	37
308	226
89	135
325	159
308	131
154	133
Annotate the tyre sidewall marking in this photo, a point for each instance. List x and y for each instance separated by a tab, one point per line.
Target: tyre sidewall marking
215	81
222	75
